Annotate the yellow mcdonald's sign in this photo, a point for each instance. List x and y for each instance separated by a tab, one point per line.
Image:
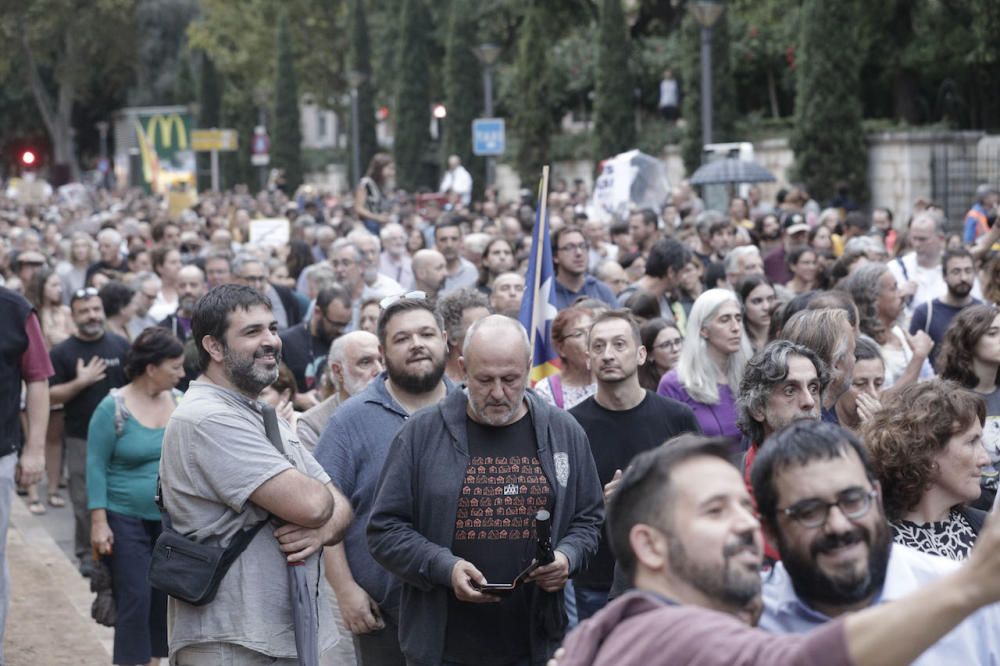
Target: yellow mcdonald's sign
165	123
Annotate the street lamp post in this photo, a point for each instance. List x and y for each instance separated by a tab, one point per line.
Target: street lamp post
102	129
488	54
706	13
355	79
260	95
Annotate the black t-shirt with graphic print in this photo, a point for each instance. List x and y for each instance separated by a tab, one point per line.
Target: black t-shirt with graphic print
494	530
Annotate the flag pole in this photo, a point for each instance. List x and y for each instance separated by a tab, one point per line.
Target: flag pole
539	249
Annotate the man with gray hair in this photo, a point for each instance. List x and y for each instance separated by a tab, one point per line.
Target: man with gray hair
742	262
456	507
459	310
110	257
782	383
146	287
253	271
918	274
377	285
395	261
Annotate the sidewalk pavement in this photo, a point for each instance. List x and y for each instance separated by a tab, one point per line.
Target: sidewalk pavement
49	622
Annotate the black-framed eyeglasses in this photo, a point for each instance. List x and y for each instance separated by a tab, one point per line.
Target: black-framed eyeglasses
854	503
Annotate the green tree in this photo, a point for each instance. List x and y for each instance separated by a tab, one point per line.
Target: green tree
184	87
614	113
162	68
65	51
724	111
532	116
828	138
413	97
286	151
359	60
462	88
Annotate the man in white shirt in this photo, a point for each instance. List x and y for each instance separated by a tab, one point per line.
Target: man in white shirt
457	181
834	562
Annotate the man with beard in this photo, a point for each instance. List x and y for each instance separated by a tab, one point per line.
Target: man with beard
190	287
835	562
88	364
933	317
353	362
455	508
306	344
221	474
683	527
621	420
353	448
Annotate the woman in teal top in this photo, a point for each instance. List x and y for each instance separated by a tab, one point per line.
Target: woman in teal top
123	459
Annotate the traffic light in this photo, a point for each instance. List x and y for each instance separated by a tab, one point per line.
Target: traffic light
28	158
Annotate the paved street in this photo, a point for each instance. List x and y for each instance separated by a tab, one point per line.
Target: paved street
49	622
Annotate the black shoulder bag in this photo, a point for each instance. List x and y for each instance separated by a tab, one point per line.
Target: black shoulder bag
192	571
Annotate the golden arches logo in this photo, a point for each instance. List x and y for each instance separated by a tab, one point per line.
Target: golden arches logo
166	123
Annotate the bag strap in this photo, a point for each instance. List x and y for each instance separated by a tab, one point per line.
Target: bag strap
930	316
902	267
557	393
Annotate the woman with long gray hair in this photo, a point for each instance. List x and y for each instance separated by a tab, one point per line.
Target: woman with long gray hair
708	373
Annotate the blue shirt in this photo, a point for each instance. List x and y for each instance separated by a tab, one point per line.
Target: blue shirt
352	450
592	288
974	641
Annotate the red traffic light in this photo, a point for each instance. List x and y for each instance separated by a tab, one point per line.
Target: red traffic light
28	158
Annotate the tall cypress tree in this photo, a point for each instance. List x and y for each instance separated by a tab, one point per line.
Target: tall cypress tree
359	60
209	113
724	111
532	117
462	88
614	120
828	138
286	150
413	101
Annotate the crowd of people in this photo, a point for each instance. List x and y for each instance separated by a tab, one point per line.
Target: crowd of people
794	359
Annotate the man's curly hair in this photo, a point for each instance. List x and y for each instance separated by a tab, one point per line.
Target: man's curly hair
912	428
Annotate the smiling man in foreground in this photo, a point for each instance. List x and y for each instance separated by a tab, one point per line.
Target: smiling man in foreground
682	526
221	474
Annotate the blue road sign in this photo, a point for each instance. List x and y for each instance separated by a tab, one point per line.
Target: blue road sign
488	136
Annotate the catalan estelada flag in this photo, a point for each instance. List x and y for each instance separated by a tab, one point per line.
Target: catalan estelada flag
538	305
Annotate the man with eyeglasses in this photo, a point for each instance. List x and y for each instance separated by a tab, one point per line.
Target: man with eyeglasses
146	286
621	420
820	502
88	364
305	345
570	259
686	534
253	272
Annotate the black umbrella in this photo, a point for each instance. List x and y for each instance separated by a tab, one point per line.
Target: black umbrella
731	170
305	601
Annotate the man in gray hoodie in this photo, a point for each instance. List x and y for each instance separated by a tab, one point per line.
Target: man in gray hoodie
455	507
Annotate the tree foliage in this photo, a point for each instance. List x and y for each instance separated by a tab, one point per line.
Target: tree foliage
286	151
614	115
828	138
413	102
532	117
462	87
359	60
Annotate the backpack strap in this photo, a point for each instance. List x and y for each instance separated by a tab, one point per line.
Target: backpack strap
930	316
555	381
